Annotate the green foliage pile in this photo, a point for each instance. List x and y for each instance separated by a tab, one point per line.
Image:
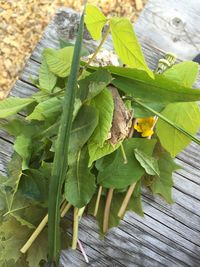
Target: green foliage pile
93	162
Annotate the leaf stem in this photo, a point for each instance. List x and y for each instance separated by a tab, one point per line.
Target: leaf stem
126	200
65	210
75	229
97	49
35	234
77	215
39	229
124	154
98	201
107	210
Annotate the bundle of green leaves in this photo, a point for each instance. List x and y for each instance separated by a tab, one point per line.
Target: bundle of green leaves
107	161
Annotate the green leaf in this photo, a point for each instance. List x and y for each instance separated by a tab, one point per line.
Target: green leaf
14	175
12	105
105	105
46	109
23	146
80	183
59	62
38	250
97	152
184	73
163	184
13	236
185	115
47	79
149	163
82	128
34	184
94	20
160	90
93	84
127	45
119	175
140	112
135	203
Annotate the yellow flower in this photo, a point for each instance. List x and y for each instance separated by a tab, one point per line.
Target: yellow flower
145	126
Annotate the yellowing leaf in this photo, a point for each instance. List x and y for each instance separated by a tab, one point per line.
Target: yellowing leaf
94	20
127	45
59	61
185	115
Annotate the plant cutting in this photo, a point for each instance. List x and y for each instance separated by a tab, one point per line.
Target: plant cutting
90	138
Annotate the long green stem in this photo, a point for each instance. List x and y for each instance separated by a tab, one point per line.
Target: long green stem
159	115
97	49
60	163
77	216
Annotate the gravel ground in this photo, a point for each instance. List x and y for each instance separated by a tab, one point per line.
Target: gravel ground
22	23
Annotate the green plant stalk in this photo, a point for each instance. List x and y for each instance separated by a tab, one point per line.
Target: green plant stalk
60	163
77	216
159	115
98	49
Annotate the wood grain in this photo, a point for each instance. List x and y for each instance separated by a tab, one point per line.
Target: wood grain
168	235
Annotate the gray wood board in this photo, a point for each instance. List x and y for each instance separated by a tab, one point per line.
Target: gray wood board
168	235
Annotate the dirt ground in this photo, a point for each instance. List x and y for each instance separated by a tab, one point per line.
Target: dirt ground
22	23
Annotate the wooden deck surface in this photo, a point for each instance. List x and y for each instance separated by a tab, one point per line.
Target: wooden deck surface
168	235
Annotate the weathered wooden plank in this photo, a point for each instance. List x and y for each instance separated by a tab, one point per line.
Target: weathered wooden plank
171	25
168	235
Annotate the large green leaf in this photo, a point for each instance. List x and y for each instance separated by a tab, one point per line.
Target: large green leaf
185	115
80	183
184	73
149	163
94	20
12	105
105	105
59	61
97	152
127	45
47	79
161	89
119	175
